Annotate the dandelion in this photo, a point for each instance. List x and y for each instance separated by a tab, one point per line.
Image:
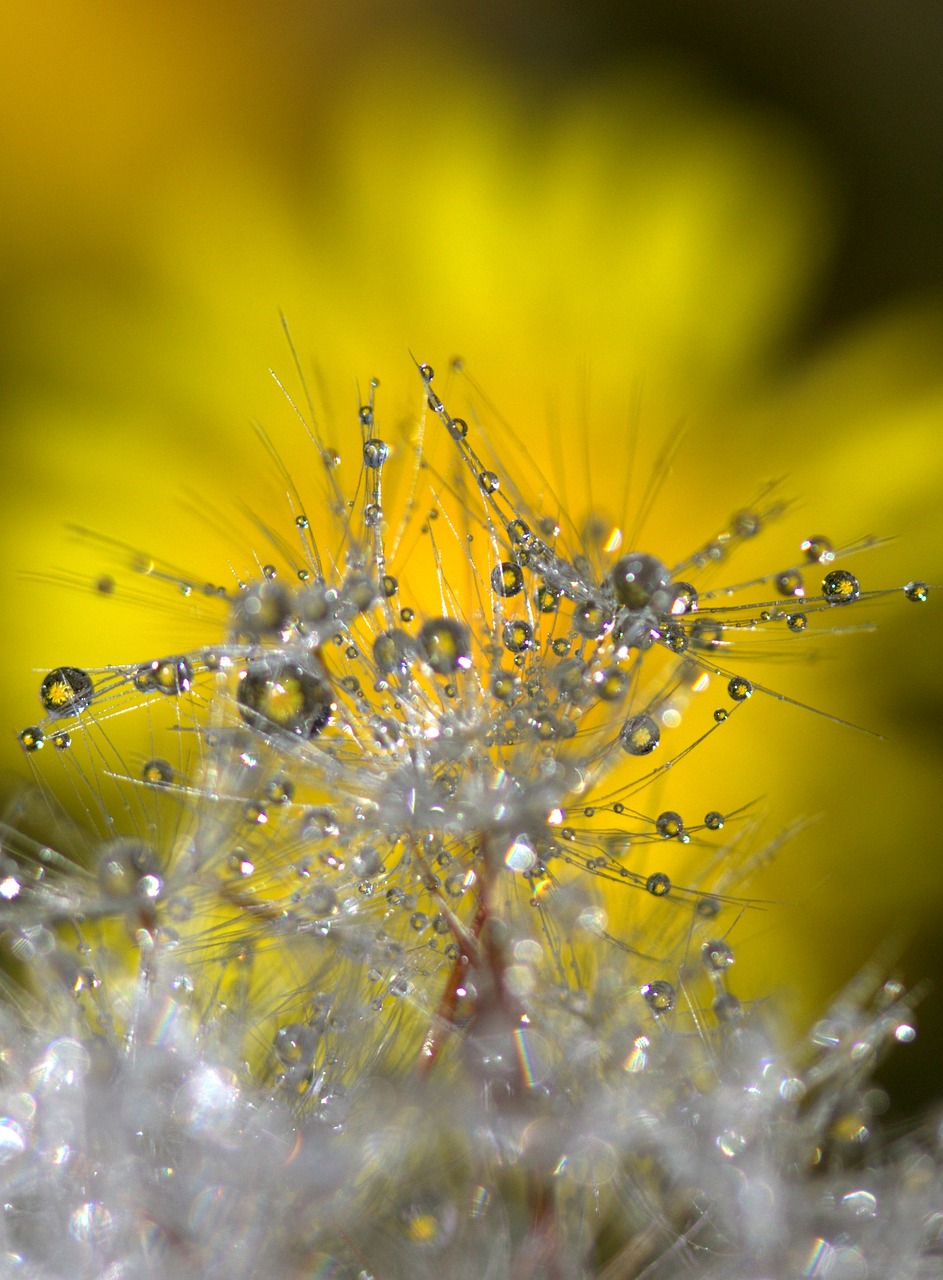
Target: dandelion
371	958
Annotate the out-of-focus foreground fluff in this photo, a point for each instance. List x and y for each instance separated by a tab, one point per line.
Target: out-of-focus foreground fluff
370	958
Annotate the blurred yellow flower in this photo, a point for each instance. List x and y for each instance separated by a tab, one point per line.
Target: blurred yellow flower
637	239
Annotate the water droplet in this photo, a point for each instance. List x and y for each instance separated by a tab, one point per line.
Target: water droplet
789	583
685	599
279	791
517	636
817	549
706	633
727	1008
375	453
91	1223
840	587
714	821
796	621
642	582
389	586
591	619
301	522
503	686
166	675
720	715
507	579
426	372
128	870
669	825
275	696
739	688
157	773
62	740
458	428
547	600
639	735
716	955
658	884
659	996
747	524
66	691
610	684
372	515
445	645
917	592
489	482
32	739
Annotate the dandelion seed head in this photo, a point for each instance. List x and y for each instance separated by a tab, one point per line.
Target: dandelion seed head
376	958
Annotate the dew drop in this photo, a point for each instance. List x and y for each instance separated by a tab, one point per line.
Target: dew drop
917	592
445	645
840	587
642	582
517	636
127	869
458	428
789	583
62	740
171	676
747	524
659	996
796	621
375	453
611	683
685	601
591	619
817	549
714	821
669	825
276	696
389	586
658	884
507	579
489	482
157	772
32	739
66	691
739	688
639	735
716	955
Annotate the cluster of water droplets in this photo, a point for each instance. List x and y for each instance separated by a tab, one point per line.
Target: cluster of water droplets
375	964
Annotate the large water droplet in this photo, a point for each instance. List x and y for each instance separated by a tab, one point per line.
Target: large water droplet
66	691
639	735
840	587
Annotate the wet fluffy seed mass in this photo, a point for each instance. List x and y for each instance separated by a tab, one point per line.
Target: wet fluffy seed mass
370	958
